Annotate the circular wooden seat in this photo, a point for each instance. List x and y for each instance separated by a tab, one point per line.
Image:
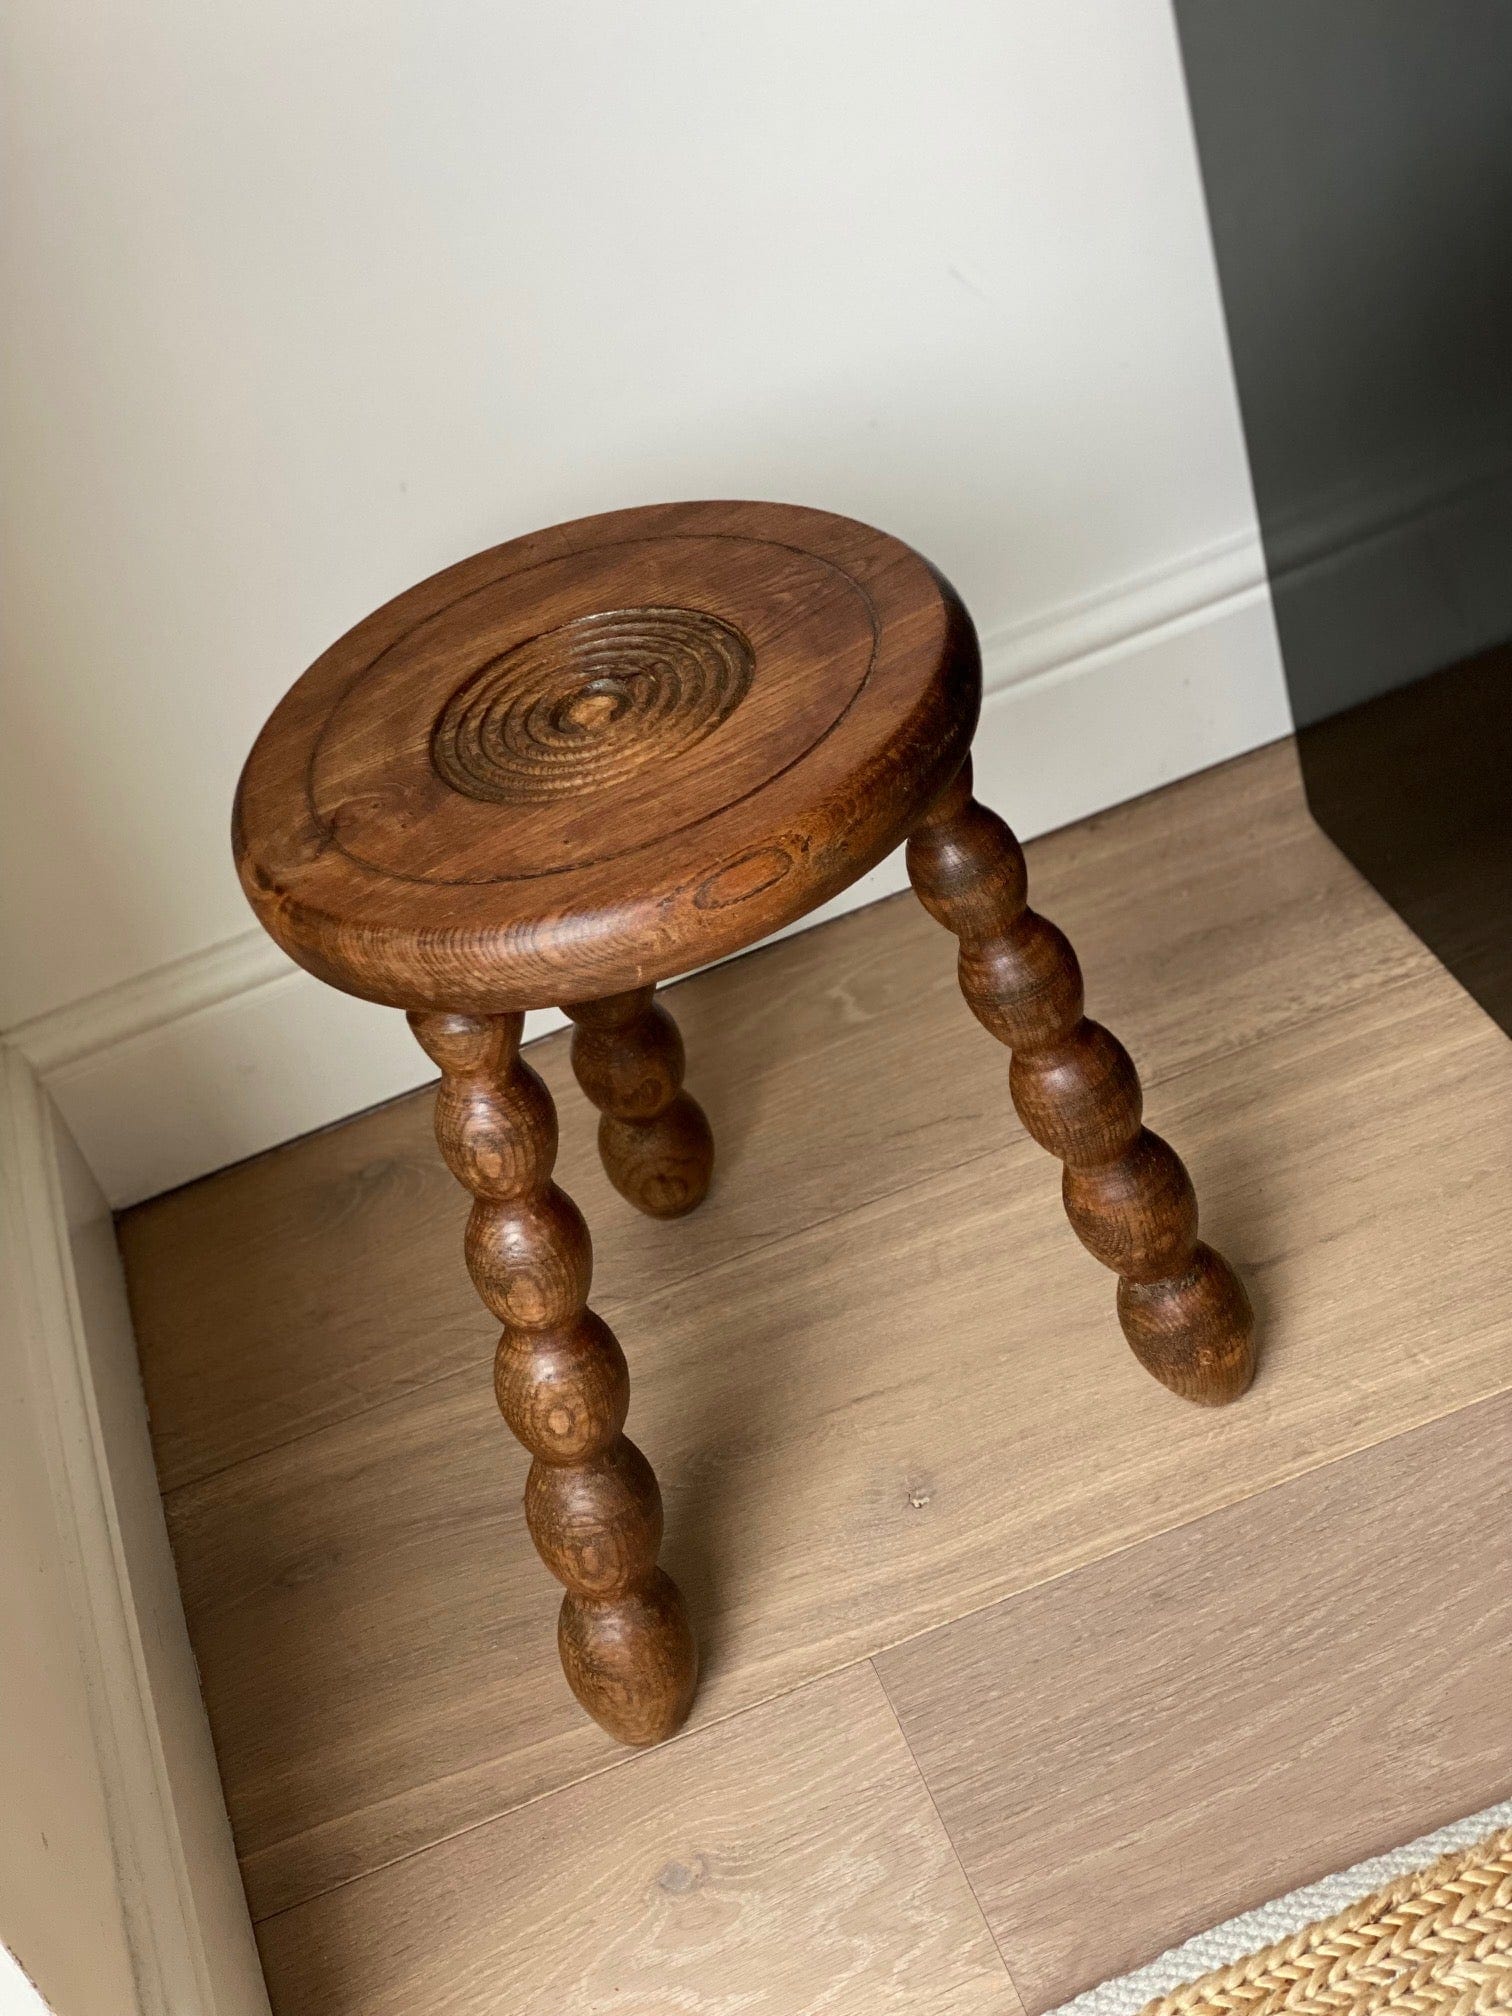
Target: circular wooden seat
603	754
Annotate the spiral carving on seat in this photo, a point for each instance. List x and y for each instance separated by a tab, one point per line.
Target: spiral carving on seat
581	708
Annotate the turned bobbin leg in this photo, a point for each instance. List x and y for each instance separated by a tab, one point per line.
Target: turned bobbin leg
1127	1194
653	1137
591	1499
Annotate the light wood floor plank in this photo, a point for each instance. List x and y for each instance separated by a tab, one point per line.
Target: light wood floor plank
788	1863
1145	1748
890	1420
321	1280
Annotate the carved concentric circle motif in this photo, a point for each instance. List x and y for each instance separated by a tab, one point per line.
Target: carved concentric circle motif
584	707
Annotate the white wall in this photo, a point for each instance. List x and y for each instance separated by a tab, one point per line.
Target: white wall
308	298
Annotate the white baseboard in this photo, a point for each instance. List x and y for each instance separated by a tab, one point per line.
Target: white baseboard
120	1890
233	1049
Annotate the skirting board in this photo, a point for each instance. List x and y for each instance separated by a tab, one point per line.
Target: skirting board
119	1888
233	1050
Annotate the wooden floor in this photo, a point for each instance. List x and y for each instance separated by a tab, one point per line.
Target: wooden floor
1017	1669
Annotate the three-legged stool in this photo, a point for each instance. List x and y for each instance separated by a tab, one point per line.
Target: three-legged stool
591	760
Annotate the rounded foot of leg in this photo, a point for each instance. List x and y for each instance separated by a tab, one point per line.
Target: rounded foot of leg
1194	1332
661	1166
631	1660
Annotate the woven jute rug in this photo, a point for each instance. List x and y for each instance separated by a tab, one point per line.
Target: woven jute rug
1425	1931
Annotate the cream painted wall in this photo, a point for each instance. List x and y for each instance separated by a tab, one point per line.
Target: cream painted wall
306	298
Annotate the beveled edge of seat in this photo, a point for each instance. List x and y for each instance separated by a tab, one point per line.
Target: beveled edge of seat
702	909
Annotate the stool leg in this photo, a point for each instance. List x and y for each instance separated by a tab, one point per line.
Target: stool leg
654	1140
591	1499
1130	1201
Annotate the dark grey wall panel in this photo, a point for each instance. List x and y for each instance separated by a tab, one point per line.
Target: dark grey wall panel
1357	158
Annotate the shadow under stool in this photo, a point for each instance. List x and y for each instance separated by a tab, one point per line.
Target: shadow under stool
593	759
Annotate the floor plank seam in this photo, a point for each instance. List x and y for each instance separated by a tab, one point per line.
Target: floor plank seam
830	1673
624	1760
928	1789
1281	1483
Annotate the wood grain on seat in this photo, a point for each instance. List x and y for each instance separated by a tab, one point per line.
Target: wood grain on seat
603	754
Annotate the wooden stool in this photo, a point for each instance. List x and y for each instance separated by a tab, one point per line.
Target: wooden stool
593	759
